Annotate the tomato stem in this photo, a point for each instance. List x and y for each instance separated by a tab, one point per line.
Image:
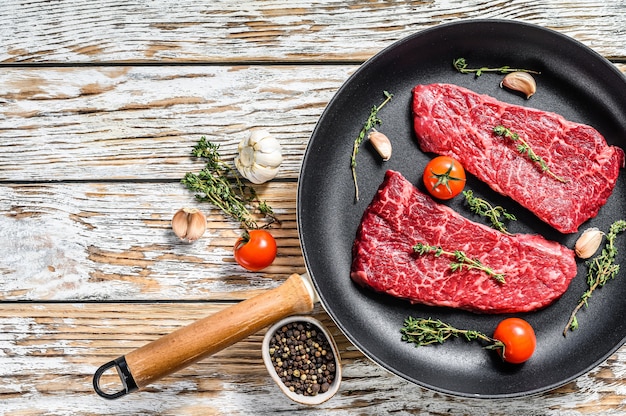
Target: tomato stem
443	179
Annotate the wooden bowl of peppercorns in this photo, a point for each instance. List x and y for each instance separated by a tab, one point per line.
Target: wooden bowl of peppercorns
302	358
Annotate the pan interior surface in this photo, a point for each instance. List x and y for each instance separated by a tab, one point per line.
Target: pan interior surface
575	82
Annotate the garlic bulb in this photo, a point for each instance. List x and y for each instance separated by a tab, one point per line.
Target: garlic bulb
259	157
588	243
189	224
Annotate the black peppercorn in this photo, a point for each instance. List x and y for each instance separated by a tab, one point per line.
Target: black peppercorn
300	354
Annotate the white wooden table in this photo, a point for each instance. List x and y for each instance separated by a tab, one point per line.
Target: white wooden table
100	104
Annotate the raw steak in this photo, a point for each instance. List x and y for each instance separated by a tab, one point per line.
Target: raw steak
537	271
457	122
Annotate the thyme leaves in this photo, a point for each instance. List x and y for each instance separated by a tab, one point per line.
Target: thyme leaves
462	260
495	214
524	149
218	184
461	65
372	121
602	268
428	331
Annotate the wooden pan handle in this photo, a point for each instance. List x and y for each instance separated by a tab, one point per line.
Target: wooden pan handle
207	336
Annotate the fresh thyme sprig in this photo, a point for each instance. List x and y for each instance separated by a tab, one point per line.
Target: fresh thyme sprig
492	213
461	66
602	268
428	331
372	121
524	148
218	184
462	260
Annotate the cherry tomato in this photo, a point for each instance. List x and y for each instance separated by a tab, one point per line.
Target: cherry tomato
444	177
255	250
518	338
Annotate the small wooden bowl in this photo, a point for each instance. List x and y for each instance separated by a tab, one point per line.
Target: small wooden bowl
267	359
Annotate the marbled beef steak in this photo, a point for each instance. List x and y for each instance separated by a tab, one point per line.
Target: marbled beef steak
537	271
457	122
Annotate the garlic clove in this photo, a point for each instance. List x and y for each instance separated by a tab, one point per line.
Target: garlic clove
189	224
381	143
258	174
246	156
242	167
588	243
266	145
257	135
268	159
520	81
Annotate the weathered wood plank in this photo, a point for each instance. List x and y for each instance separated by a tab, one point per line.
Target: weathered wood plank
93	241
86	238
94	123
141	122
50	352
302	30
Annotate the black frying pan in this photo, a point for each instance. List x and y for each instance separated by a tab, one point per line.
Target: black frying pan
575	82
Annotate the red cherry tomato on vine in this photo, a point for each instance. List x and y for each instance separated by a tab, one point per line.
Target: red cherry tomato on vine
255	250
444	177
518	338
